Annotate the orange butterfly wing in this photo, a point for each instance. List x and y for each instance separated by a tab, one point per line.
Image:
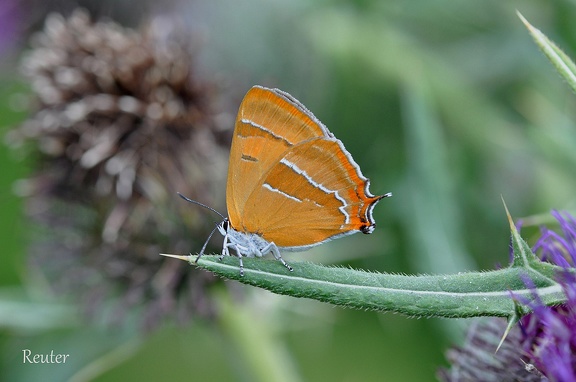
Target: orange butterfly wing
313	194
269	123
289	179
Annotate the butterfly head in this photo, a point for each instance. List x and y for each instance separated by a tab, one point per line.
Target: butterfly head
224	226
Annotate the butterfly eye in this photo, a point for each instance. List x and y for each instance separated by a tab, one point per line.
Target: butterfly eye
225	224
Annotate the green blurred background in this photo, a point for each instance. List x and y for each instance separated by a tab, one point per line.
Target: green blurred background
449	105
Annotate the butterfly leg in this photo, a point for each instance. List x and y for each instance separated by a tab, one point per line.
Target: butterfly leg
271	247
239	254
241	263
226	252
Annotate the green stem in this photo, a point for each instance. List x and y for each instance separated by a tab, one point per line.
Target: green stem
459	295
466	294
259	350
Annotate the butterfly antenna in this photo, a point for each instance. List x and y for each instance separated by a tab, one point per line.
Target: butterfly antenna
202	205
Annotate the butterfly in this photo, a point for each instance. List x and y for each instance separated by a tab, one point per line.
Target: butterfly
291	184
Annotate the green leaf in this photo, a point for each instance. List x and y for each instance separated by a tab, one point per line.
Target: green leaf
563	64
466	294
523	255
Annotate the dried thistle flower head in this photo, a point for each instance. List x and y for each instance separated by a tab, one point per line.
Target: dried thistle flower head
477	360
122	123
112	103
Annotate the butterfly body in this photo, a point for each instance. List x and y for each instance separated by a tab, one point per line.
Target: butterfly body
247	244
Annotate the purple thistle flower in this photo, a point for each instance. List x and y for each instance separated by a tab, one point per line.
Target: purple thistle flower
10	20
550	332
556	248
